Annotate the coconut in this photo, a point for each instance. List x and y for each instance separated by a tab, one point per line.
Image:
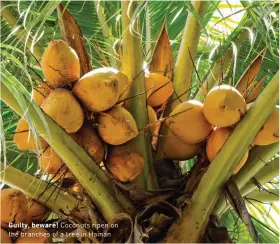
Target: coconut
176	149
39	93
187	122
60	64
34	235
64	109
124	86
149	86
13	207
117	126
36	212
216	141
162	89
269	133
24	138
98	90
224	106
124	163
152	117
4	237
50	162
88	139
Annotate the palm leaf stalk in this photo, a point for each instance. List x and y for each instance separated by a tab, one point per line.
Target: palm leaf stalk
87	172
271	195
49	195
133	68
106	34
187	53
221	168
268	172
256	161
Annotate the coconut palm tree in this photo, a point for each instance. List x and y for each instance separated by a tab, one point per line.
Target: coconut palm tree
197	45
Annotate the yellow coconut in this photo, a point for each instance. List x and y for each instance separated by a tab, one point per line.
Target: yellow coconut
13	207
34	235
216	141
24	138
224	106
176	149
64	109
117	126
152	119
269	133
188	122
50	162
123	163
149	86
39	93
60	64
99	89
36	212
87	138
124	86
4	237
162	89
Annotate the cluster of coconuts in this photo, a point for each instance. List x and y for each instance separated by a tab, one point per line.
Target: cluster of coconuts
193	122
66	98
17	208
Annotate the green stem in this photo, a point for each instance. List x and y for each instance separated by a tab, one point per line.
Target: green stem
106	34
268	172
271	195
148	34
47	194
133	68
184	67
20	32
87	172
256	161
196	214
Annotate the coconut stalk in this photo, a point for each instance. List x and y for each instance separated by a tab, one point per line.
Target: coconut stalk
20	32
133	68
106	34
87	172
187	53
219	69
268	172
256	161
48	195
195	216
271	195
